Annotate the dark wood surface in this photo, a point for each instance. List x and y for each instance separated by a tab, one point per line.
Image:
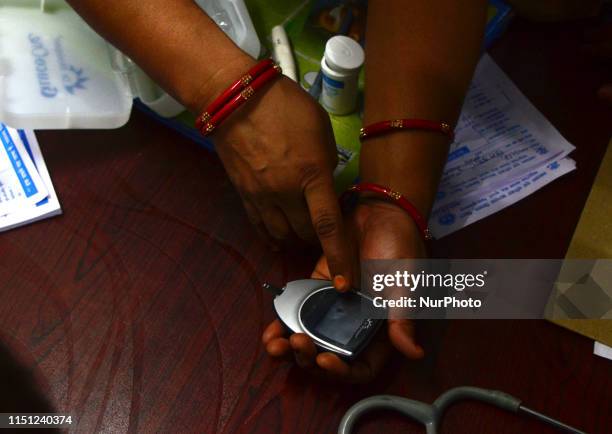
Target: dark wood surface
140	309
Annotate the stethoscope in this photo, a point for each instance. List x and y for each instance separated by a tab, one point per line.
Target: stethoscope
431	415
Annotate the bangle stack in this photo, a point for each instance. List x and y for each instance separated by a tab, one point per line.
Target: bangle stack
394	197
383	127
236	95
380	128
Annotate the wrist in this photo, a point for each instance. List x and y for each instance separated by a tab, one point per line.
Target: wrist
374	213
392	196
409	162
206	85
420	197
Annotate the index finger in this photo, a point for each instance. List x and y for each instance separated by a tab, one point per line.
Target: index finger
327	222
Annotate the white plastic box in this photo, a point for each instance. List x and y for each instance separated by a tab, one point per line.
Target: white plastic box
57	73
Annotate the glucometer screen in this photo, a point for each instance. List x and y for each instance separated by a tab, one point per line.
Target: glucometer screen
337	321
341	320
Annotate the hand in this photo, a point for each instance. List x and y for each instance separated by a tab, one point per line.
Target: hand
380	230
280	153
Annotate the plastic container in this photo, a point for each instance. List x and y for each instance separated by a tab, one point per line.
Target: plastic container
57	73
340	67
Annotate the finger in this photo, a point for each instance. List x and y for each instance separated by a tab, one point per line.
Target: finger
304	349
257	222
402	336
262	232
363	370
274	330
334	365
298	216
327	222
278	347
274	340
275	222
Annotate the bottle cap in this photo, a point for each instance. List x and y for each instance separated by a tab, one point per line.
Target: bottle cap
344	54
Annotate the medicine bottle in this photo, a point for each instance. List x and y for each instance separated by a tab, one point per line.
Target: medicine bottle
340	67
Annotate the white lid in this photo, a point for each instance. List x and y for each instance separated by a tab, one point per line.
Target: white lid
57	73
344	54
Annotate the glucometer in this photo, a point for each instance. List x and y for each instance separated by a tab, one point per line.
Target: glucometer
336	321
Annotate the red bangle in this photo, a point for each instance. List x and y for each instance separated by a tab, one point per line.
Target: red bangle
379	128
397	198
231	91
240	99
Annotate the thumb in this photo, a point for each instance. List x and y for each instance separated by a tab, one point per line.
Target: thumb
402	336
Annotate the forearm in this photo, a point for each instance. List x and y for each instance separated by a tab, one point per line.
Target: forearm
176	43
419	62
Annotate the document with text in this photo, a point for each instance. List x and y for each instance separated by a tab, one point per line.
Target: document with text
26	190
504	150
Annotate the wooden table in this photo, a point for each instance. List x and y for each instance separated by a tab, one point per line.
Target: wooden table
140	309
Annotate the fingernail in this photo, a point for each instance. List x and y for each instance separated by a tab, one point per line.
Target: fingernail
340	283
